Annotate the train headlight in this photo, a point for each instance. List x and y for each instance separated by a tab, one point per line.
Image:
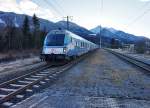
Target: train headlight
64	50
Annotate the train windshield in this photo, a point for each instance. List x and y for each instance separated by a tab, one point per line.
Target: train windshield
55	40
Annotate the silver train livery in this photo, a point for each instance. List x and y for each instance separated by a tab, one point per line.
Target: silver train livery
63	44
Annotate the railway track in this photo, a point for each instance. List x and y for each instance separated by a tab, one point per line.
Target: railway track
15	89
143	65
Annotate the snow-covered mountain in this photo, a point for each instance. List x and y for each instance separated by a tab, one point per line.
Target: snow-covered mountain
109	33
17	21
74	28
117	34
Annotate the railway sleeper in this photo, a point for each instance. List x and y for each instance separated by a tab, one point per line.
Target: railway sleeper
42	82
29	90
2	96
36	76
36	86
31	79
8	89
17	85
47	79
25	82
44	72
7	104
41	74
19	96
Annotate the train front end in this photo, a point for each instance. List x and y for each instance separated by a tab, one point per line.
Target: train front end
54	46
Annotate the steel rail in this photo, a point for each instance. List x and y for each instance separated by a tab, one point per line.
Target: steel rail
8	86
143	65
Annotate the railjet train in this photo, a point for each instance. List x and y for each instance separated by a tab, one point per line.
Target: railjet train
63	44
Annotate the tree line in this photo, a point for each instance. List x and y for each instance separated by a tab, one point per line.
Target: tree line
23	38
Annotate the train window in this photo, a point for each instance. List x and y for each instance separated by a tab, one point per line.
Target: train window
76	43
67	39
71	39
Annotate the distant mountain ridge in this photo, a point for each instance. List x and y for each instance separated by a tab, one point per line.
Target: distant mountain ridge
109	33
117	34
17	20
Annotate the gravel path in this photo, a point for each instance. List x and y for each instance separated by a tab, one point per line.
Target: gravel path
19	67
100	81
18	63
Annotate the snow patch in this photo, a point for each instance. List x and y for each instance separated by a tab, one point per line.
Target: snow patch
1	21
15	22
112	30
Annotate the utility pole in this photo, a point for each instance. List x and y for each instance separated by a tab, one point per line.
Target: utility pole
100	40
100	28
67	22
68	19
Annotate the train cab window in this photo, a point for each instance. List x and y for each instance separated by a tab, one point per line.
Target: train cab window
55	40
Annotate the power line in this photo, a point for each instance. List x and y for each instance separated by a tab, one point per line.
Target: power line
138	17
59	12
141	8
141	15
58	5
55	9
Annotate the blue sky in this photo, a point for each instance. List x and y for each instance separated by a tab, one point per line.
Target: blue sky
131	16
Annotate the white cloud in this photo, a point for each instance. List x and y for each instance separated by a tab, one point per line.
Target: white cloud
9	6
29	7
25	7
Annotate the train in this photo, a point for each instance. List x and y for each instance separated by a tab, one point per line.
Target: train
63	44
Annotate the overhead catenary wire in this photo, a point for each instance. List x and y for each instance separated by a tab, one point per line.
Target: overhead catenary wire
58	11
139	16
61	8
54	7
138	10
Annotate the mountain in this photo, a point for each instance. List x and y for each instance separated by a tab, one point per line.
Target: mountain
117	34
74	28
17	21
7	18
